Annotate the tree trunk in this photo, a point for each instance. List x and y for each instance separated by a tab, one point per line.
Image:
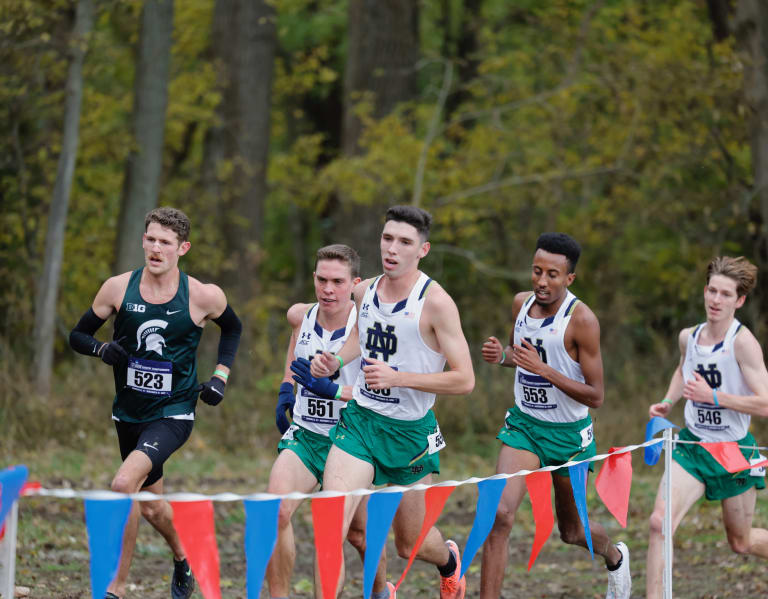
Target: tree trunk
383	49
48	287
145	162
244	40
752	36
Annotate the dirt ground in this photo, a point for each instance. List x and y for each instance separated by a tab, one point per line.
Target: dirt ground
53	557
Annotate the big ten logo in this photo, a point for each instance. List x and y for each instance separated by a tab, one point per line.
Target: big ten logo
538	345
335	375
381	341
711	374
135	307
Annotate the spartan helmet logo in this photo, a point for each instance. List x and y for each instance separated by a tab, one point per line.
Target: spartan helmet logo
149	334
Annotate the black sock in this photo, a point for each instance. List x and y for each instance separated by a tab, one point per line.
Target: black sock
618	563
450	567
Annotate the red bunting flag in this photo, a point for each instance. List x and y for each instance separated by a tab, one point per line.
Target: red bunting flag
193	521
328	520
540	491
729	456
434	501
614	483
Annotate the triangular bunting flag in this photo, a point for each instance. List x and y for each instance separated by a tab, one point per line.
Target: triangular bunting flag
381	511
578	475
328	520
540	491
11	481
488	495
729	456
260	537
193	521
655	424
105	521
434	500
614	483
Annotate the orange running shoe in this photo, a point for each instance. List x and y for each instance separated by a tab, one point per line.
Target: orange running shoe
453	587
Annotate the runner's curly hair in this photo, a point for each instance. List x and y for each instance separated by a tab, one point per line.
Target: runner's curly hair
171	218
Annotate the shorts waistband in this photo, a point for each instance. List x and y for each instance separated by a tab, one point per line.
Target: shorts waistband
428	418
576	425
687	435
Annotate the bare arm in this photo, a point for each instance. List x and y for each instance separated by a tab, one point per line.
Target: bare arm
586	335
294	316
459	379
749	355
208	302
675	388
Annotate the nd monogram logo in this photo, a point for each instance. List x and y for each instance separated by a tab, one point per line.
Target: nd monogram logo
381	341
711	375
539	345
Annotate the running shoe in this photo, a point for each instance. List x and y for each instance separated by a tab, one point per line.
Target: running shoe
182	583
620	580
392	592
111	596
453	587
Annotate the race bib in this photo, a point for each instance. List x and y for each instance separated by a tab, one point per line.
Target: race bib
149	376
436	441
760	471
587	435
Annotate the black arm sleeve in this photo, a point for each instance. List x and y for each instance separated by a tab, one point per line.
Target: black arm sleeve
81	338
231	328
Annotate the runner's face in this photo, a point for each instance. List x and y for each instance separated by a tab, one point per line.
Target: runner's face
333	285
401	248
162	248
721	299
550	277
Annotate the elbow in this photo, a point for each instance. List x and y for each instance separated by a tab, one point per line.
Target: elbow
596	401
467	385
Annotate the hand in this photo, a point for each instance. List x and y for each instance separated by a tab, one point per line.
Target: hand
324	364
380	375
112	353
492	350
212	392
659	409
698	390
322	387
527	357
285	401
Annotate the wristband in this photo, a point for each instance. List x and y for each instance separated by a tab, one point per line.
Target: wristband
669	401
338	393
503	357
222	374
341	361
714	397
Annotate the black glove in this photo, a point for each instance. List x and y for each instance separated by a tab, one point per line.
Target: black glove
212	392
322	387
112	353
285	401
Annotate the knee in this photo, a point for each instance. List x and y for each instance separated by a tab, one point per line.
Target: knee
504	521
152	510
356	538
656	523
404	547
123	484
284	516
571	535
739	545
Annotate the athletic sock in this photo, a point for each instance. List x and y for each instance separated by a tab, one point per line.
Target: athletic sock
450	567
618	563
381	594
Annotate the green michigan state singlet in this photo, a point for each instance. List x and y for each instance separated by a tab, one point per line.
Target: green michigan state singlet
160	376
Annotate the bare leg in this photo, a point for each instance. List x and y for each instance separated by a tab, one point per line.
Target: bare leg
160	515
496	547
288	474
737	517
345	472
128	479
685	491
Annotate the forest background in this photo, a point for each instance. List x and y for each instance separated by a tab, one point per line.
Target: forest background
637	126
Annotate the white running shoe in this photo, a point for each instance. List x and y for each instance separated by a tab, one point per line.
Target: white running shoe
620	580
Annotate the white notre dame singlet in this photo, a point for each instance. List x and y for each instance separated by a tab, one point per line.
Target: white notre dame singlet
390	332
718	366
314	413
535	395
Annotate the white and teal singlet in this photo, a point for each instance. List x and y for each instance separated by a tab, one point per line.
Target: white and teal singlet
535	395
718	366
390	333
313	413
